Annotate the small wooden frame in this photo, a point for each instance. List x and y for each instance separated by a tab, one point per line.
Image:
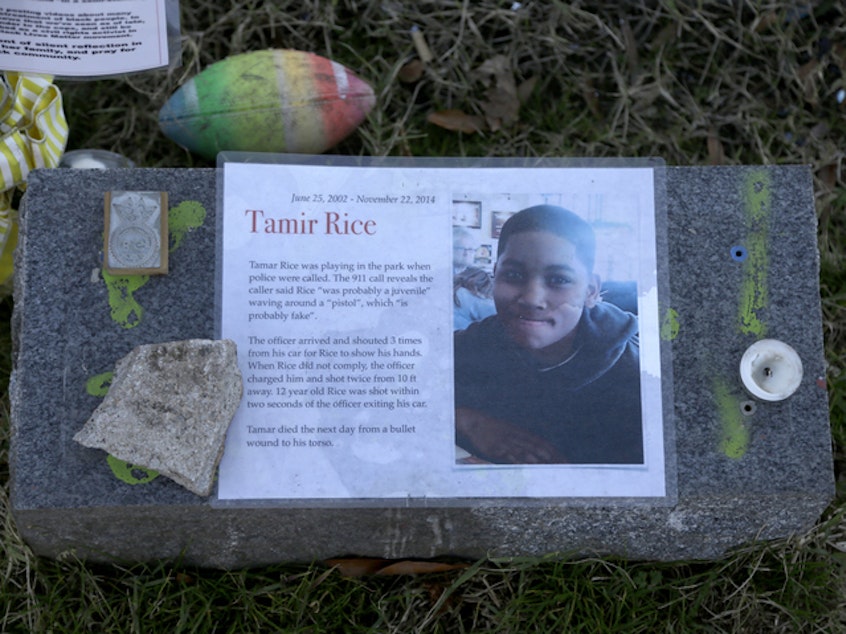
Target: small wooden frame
136	239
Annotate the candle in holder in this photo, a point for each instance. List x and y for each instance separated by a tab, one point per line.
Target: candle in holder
771	370
94	159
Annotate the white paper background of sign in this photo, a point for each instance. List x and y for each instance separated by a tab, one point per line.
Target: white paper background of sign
419	464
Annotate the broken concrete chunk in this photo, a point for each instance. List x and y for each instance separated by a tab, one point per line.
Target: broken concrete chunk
168	409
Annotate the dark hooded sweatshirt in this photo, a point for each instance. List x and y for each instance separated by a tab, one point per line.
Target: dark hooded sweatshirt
588	407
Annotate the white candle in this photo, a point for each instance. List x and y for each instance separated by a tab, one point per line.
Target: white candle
771	370
94	159
86	162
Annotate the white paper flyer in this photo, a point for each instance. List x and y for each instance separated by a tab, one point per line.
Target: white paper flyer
87	38
341	287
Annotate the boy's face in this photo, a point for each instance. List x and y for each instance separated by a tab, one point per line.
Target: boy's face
540	290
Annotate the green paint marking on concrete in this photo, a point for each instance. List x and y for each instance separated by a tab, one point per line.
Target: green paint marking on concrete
130	473
753	293
670	325
125	310
183	218
98	385
754	298
758	195
734	439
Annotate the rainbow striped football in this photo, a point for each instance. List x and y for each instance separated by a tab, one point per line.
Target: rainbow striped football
267	101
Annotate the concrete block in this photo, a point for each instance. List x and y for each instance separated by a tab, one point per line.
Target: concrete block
739	475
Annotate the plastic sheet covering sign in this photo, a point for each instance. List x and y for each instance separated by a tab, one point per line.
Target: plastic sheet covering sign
339	283
83	39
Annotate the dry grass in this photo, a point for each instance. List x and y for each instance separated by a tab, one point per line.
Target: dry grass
693	82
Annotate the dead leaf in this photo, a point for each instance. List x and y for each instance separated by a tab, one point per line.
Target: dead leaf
716	155
501	105
525	89
361	566
828	176
411	72
456	120
419	568
356	567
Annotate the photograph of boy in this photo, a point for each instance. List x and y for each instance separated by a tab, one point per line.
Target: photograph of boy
554	376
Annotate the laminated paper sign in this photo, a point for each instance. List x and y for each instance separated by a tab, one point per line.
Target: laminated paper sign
87	38
343	286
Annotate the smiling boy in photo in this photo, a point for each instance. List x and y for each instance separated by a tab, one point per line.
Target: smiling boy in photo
554	376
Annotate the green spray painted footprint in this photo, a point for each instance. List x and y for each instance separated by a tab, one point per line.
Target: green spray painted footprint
754	297
734	439
125	310
98	385
670	325
130	473
183	218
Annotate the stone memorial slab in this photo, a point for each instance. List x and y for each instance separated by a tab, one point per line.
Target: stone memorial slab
742	266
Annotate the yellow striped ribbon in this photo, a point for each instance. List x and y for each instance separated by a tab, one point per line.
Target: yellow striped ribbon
33	134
